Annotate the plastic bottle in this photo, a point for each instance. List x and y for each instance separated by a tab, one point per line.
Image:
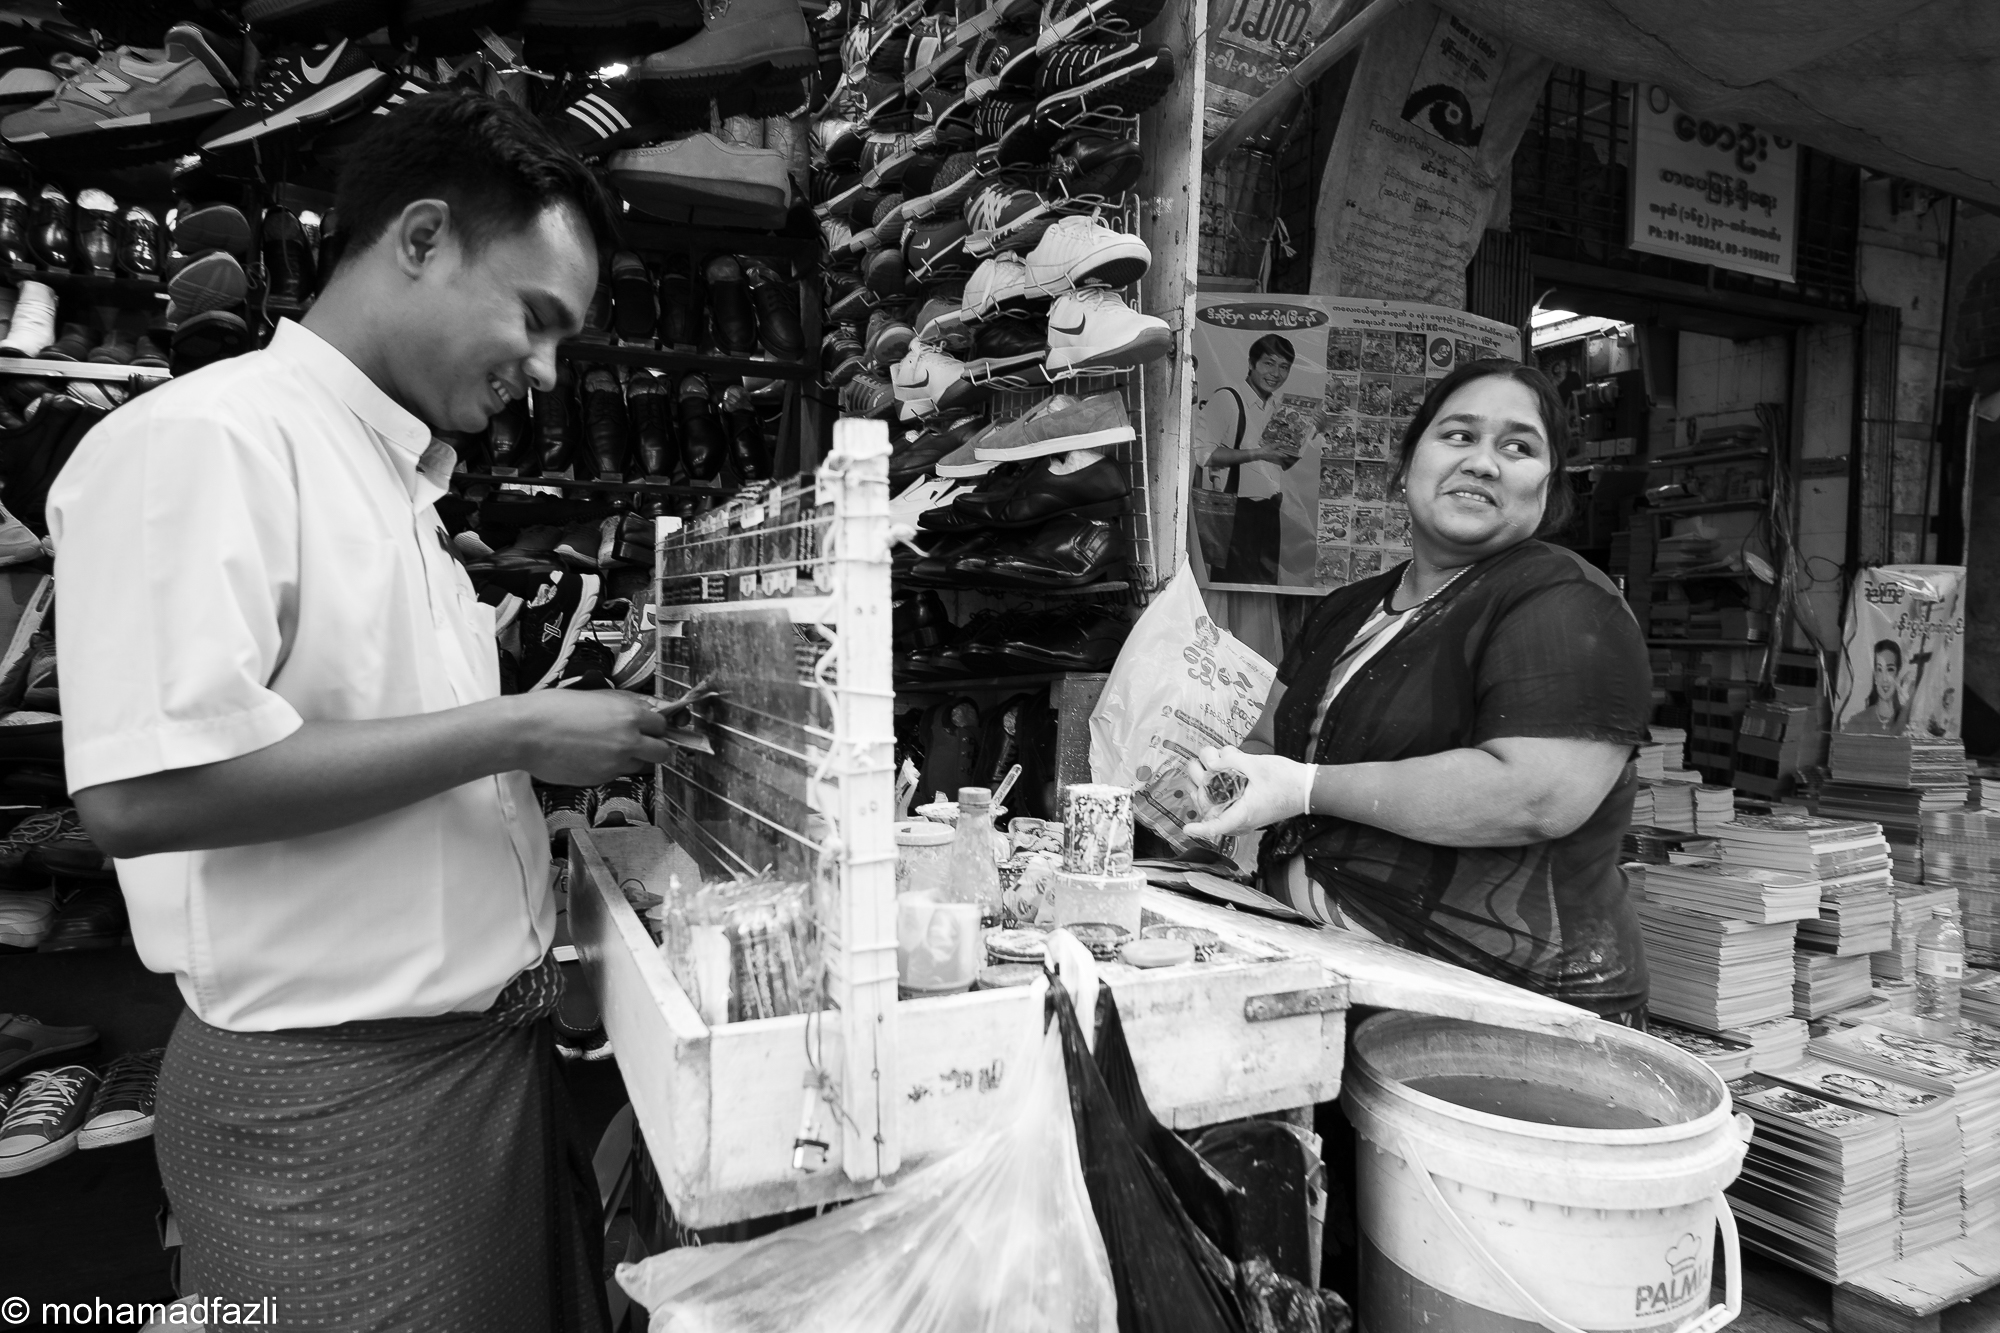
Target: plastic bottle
975	874
1940	968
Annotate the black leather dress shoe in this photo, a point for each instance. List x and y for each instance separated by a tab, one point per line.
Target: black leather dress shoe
288	263
636	310
138	243
703	443
1066	552
749	450
51	230
605	423
507	436
913	458
1082	639
649	399
555	423
939	569
733	322
14	249
680	321
776	303
1096	490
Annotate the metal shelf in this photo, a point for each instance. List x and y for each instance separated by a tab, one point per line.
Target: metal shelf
666	358
1693	459
1707	507
566	483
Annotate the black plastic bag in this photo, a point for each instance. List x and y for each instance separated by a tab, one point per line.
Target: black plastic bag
1168	1275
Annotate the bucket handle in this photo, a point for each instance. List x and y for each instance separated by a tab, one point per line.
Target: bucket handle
1708	1322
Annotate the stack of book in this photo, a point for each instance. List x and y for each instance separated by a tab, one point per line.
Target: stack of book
1665	803
1775	1045
1900	996
1899	809
1914	904
1962	851
1917	762
1855	919
1659	846
1713	807
1932	1170
1979	997
1727	1056
1824	982
1819	1184
1727	889
1829	850
1716	973
1665	756
1893	1049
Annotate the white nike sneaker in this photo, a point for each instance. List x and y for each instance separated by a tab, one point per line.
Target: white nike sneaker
1092	329
923	377
1077	250
999	283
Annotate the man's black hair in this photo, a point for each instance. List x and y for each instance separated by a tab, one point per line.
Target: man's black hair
488	159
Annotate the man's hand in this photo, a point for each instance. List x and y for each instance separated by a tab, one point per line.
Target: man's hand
1278	789
579	738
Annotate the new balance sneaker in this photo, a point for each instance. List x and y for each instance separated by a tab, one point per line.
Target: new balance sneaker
25	78
48	1111
1110	81
1092	329
551	624
998	284
705	180
300	90
122	1109
1077	250
606	118
130	98
743	42
1057	425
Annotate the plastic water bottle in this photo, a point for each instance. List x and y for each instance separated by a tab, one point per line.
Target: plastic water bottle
1940	968
974	876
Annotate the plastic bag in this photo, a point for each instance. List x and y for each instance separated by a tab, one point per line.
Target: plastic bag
1181	682
996	1238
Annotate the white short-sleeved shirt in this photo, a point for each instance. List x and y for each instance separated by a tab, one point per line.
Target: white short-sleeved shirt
245	549
1216	429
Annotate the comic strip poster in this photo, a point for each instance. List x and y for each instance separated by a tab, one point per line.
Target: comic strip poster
1301	404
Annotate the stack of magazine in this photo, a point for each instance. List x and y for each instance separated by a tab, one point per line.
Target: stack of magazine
1962	851
1849	860
1819	1184
1824	982
1729	1056
1715	973
1979	997
1727	889
1914	904
1932	1172
1919	763
1893	1050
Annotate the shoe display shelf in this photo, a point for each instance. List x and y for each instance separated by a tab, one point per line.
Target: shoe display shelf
749	1119
98	371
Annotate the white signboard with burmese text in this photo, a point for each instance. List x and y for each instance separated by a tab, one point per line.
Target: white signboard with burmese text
1714	192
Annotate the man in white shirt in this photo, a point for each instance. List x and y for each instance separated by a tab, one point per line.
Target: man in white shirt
1229	441
282	715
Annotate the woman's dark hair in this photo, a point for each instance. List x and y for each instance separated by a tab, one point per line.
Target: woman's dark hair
1558	502
1882	646
1269	343
490	160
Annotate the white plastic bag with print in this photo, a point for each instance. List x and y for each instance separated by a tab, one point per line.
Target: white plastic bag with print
996	1238
1181	682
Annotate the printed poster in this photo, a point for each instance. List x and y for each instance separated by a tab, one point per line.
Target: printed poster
1715	193
1424	149
1255	47
1903	667
1310	395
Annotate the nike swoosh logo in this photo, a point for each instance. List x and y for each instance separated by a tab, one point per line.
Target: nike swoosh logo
1057	328
317	73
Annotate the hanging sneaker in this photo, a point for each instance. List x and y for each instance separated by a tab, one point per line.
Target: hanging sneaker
935	250
122	1109
302	89
1064	19
42	1124
867	396
1001	59
551	624
1086	164
923	377
1110	80
130	99
957	180
840	353
888	336
1077	250
1092	329
25	78
215	281
605	118
998	284
211	336
1057	425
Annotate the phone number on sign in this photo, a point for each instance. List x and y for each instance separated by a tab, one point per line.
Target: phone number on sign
1700	242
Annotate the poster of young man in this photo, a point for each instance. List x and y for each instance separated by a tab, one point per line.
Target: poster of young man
1903	653
1301	405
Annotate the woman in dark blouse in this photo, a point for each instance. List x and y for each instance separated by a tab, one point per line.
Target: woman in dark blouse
1445	760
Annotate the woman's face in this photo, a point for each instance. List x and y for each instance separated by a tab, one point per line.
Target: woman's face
1479	477
1885	674
1269	373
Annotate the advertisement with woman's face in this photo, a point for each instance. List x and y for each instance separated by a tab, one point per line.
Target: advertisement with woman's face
1904	653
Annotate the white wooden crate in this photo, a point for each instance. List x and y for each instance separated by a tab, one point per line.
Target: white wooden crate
720	1107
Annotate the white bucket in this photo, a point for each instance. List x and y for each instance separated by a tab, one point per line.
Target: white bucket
1473	1222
